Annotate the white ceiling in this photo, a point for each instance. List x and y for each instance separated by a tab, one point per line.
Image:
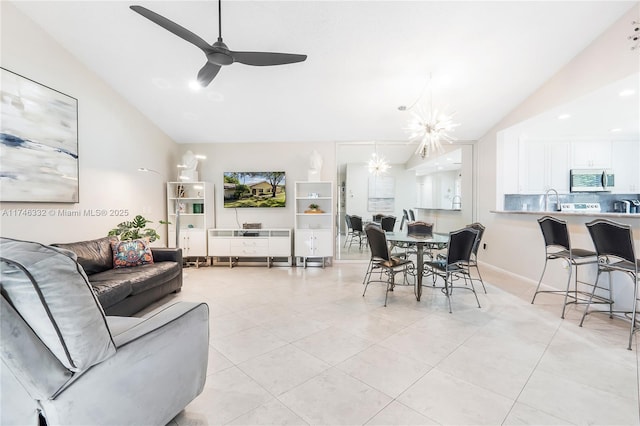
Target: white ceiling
365	58
610	113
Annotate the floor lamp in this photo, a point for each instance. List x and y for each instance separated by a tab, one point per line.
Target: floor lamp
176	202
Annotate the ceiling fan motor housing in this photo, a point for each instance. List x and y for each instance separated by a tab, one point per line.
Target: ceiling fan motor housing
220	54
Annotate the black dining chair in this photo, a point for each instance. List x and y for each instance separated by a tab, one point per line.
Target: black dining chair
456	264
378	217
473	262
405	218
616	253
412	215
388	223
382	261
557	246
349	236
358	231
419	228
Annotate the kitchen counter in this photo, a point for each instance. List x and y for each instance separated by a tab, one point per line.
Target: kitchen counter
437	210
565	213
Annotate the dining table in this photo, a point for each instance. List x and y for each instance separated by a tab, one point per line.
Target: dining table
431	241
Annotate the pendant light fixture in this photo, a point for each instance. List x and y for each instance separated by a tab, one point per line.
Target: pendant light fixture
378	165
429	128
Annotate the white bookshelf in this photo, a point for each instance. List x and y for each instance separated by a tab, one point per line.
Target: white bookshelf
314	230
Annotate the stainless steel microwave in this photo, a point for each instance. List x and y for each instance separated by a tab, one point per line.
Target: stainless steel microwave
592	180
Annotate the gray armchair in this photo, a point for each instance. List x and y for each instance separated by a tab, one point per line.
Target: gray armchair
65	363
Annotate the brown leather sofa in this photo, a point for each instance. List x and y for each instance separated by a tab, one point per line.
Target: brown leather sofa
125	291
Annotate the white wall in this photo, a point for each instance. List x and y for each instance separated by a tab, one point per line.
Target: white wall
357	191
514	242
292	158
115	140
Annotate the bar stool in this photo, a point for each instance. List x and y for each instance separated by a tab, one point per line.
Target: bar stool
557	245
616	253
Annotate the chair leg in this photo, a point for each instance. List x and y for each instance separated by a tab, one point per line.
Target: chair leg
480	276
593	291
346	240
367	275
633	314
540	281
566	294
473	288
389	284
365	288
446	291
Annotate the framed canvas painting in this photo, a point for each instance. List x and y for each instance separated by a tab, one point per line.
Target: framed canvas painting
38	142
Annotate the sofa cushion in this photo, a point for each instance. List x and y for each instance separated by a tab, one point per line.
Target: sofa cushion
110	290
52	294
93	255
131	253
134	280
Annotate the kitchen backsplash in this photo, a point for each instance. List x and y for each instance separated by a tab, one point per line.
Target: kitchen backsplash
535	202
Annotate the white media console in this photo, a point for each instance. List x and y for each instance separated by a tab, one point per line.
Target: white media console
272	245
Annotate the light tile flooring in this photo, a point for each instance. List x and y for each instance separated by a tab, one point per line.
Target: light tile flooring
302	346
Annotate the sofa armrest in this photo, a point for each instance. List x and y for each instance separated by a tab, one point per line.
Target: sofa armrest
163	254
159	367
146	325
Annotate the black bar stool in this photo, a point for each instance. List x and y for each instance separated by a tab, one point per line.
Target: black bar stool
557	245
616	253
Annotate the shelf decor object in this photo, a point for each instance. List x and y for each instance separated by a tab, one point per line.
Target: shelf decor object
38	125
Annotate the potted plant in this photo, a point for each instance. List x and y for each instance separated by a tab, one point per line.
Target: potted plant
136	229
314	208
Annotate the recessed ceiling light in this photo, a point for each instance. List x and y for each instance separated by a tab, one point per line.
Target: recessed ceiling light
402	108
627	92
614	130
564	116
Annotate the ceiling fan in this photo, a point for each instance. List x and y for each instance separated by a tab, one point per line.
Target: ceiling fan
218	54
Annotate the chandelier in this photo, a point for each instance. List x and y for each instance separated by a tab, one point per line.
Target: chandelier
378	165
430	128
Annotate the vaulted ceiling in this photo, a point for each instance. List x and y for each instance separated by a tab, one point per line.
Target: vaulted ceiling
365	59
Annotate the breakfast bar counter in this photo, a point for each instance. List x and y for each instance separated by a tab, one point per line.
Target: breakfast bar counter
570	213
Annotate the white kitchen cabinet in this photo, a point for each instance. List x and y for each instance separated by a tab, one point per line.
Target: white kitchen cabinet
625	163
543	165
190	209
510	168
591	154
314	228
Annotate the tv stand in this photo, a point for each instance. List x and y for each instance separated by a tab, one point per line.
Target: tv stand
251	246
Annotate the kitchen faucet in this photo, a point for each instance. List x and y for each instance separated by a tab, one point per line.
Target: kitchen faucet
546	199
456	200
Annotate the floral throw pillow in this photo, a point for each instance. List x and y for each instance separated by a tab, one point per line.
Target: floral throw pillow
131	253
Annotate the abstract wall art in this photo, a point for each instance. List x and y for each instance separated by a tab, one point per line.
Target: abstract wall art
38	142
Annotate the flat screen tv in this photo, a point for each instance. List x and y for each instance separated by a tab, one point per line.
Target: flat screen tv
254	189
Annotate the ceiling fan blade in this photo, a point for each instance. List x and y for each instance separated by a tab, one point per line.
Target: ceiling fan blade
266	58
173	27
207	73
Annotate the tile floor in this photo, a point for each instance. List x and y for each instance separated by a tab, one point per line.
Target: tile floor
303	347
